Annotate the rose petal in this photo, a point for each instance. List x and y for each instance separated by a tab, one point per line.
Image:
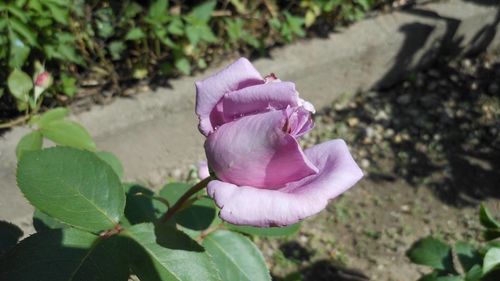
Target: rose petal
299	121
259	98
238	75
255	151
246	205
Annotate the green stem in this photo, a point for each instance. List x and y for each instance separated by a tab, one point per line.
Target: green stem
15	122
180	203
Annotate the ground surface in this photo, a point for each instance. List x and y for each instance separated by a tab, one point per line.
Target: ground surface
430	147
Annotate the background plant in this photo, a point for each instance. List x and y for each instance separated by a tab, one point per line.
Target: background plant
108	44
476	261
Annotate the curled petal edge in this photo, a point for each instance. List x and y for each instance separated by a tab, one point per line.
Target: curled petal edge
245	205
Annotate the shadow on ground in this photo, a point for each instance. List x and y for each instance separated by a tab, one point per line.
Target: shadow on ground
439	128
321	270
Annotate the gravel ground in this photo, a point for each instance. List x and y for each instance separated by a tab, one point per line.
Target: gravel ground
430	147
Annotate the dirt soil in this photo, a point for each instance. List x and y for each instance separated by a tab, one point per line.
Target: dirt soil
430	149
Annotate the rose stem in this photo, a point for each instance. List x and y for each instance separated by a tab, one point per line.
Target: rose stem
197	187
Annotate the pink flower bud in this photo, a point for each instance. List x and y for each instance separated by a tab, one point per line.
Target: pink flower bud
43	80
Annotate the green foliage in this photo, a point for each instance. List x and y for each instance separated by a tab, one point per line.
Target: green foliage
68	85
67	254
432	252
491	260
50	116
43	222
68	133
91	226
29	142
475	262
20	85
112	161
74	186
53	126
235	256
119	40
487	219
199	216
164	253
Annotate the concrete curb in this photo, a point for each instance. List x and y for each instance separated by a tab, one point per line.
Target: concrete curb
156	132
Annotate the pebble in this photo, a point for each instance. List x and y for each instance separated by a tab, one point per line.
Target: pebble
404	99
405	208
353	121
365	163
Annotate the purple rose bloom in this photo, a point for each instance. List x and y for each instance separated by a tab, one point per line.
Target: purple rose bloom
252	125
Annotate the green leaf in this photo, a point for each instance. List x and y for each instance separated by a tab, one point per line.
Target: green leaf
164	253
68	52
23	30
50	116
73	186
235	256
310	18
491	260
240	7
366	4
18	13
20	84
58	13
44	222
269	231
295	24
140	206
486	218
62	255
18	50
199	216
203	12
68	133
158	10
491	234
29	142
68	84
432	252
135	33
116	49
174	191
183	65
474	274
131	10
112	161
467	255
176	26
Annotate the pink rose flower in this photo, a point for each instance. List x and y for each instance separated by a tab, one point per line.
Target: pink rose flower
263	177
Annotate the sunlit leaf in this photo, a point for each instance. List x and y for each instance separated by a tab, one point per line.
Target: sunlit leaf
164	253
236	257
29	142
68	133
73	186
